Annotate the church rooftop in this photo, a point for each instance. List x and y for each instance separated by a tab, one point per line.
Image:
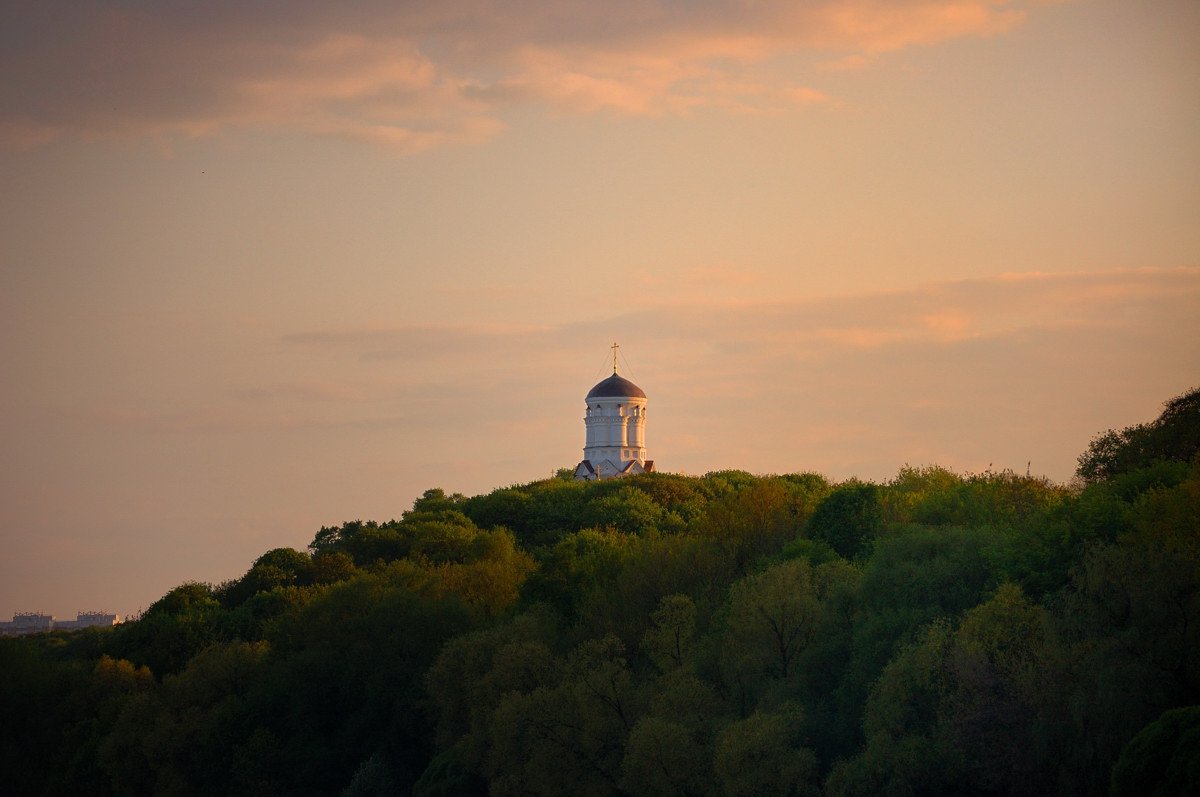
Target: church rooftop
616	385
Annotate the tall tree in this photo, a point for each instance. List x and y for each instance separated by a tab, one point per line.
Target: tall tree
1173	436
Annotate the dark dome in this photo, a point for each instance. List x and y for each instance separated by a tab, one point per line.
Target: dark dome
616	386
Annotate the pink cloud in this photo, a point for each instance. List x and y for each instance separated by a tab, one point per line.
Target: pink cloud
846	63
949	324
408	77
883	26
742	337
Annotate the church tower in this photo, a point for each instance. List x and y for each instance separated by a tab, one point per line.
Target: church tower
615	423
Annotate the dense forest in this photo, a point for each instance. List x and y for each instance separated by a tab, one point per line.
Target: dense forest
730	634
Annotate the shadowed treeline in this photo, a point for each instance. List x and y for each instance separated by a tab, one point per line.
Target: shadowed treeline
730	634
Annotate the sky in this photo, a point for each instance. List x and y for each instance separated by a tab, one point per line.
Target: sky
266	267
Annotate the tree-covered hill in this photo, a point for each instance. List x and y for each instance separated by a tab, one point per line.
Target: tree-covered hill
730	634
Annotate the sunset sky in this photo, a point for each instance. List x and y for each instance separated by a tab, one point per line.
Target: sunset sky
270	266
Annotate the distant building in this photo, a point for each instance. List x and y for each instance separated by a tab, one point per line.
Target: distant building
27	623
36	622
615	421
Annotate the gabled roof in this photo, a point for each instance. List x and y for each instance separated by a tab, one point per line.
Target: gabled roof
609	470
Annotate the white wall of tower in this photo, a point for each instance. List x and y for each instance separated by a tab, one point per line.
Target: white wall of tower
616	429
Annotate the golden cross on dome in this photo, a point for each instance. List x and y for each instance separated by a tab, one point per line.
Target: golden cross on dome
614	348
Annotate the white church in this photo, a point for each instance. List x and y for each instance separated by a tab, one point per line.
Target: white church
615	420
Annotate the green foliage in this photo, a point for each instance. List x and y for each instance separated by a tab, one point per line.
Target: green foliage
1174	437
170	738
174	629
330	567
181	600
568	738
988	634
762	755
578	565
447	776
474	671
772	618
652	569
364	543
721	483
904	752
58	703
913	577
435	502
435	529
490	577
1163	759
682	495
373	779
1002	677
349	675
935	496
629	510
929	495
669	641
664	758
282	567
752	522
538	513
848	519
670	748
814	551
